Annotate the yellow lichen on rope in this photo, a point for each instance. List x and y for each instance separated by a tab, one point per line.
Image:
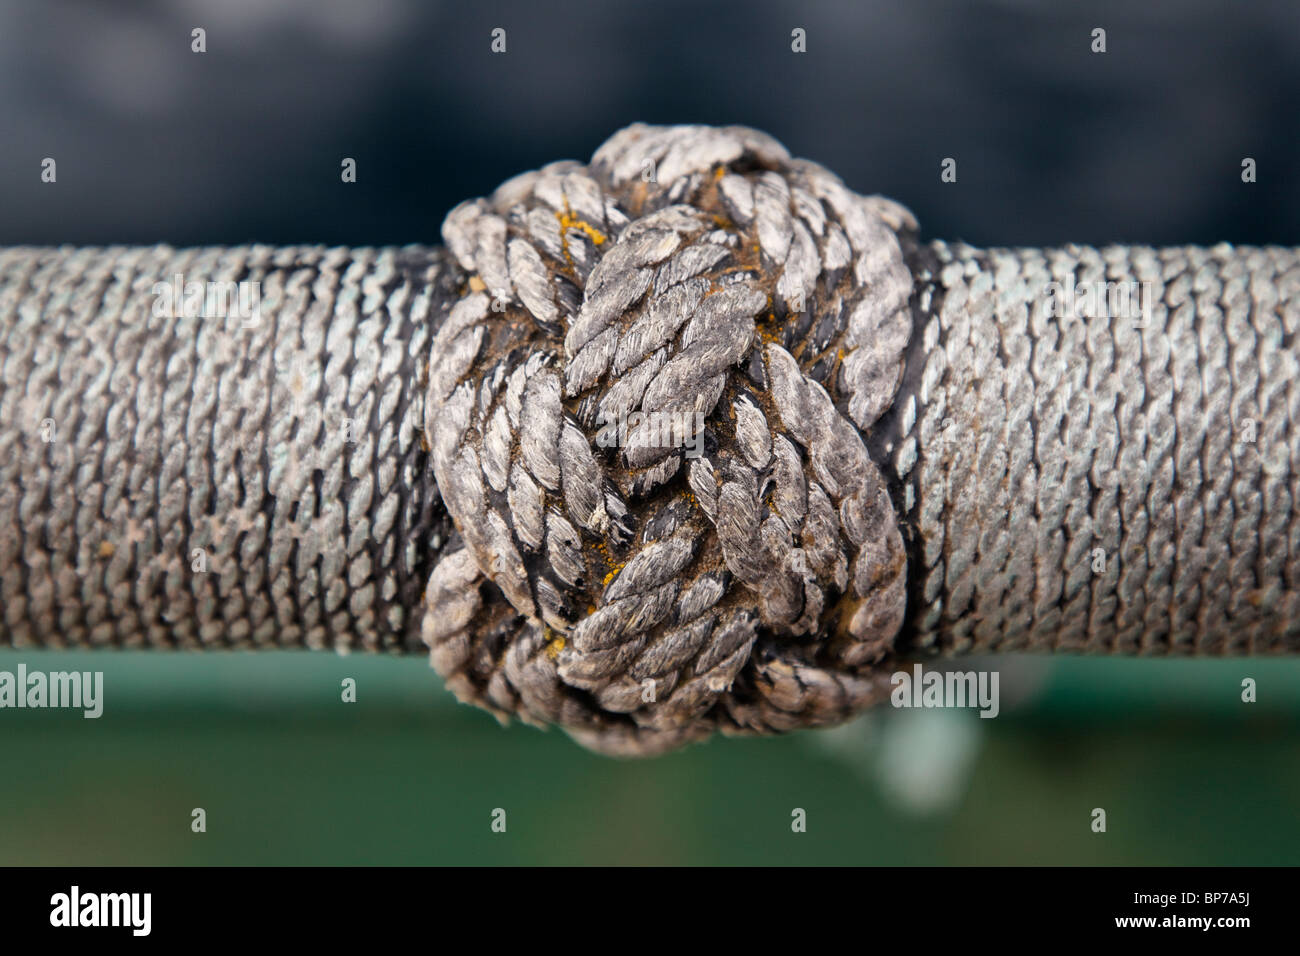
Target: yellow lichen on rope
638	458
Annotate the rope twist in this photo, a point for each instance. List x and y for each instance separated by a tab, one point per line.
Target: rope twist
646	414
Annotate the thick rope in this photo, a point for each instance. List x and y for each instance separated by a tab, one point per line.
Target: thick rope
648	452
172	479
1100	482
652	595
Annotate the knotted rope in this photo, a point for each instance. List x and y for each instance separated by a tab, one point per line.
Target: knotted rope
732	296
690	438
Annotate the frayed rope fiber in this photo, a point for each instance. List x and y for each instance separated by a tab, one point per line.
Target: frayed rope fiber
652	595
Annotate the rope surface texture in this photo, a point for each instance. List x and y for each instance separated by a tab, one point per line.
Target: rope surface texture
690	438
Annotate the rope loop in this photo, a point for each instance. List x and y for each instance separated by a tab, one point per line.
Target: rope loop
646	414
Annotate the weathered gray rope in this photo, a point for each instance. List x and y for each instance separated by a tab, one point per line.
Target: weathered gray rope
490	451
1122	484
198	481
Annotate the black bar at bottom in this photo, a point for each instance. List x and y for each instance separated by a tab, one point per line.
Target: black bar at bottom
334	906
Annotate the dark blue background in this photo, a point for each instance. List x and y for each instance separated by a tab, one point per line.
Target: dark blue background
1054	143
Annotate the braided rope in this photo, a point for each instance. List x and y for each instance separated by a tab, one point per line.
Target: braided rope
647	450
1094	482
172	479
654	595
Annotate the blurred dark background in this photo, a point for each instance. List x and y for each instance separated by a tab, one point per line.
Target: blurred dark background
1054	144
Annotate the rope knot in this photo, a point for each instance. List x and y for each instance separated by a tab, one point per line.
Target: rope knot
645	415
